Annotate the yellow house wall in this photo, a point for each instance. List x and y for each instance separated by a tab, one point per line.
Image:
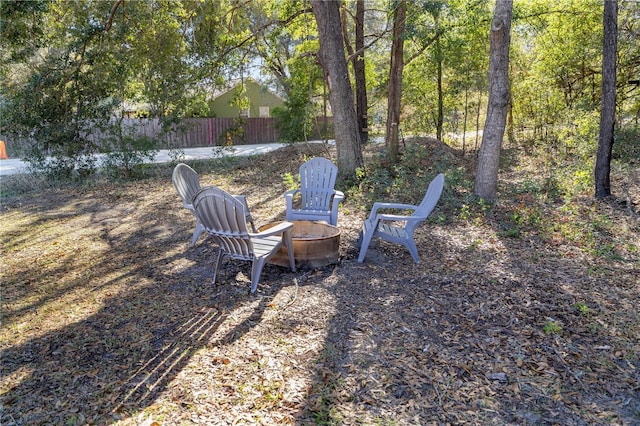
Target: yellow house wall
258	97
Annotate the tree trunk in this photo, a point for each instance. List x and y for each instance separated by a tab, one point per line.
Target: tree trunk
395	83
360	76
357	61
608	107
334	65
486	183
440	118
475	147
511	135
464	123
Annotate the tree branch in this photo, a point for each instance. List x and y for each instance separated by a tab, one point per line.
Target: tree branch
112	14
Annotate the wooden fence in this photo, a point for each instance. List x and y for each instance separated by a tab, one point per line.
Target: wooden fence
198	132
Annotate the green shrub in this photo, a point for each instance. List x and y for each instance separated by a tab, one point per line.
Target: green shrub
127	154
626	146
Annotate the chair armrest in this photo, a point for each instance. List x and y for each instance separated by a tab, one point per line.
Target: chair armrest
288	198
274	230
290	193
397	206
338	196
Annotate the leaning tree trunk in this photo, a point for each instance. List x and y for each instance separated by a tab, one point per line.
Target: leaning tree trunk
334	65
608	107
486	183
395	83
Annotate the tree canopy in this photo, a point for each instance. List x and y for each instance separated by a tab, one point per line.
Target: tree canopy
67	64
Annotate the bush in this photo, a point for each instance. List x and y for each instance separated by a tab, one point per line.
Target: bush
128	155
626	146
68	161
293	120
407	181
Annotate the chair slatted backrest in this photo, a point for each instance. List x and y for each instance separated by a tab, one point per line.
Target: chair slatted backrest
187	182
431	197
317	181
223	216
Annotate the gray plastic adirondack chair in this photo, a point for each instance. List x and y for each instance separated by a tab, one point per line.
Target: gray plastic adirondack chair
222	215
384	226
187	183
318	198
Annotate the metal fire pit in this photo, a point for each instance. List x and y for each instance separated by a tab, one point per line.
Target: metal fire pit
315	244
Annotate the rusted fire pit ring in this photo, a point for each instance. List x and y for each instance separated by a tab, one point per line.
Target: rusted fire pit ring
315	244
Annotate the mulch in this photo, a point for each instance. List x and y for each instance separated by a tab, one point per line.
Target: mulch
109	317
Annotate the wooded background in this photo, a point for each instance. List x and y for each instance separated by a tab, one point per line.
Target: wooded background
413	68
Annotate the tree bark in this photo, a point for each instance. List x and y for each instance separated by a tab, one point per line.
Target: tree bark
356	55
475	147
486	182
440	118
395	83
608	102
334	65
464	123
360	76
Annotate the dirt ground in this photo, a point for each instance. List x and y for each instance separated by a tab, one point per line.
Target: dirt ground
109	317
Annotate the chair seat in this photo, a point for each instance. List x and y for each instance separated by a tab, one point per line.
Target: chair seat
384	231
309	214
393	231
264	246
